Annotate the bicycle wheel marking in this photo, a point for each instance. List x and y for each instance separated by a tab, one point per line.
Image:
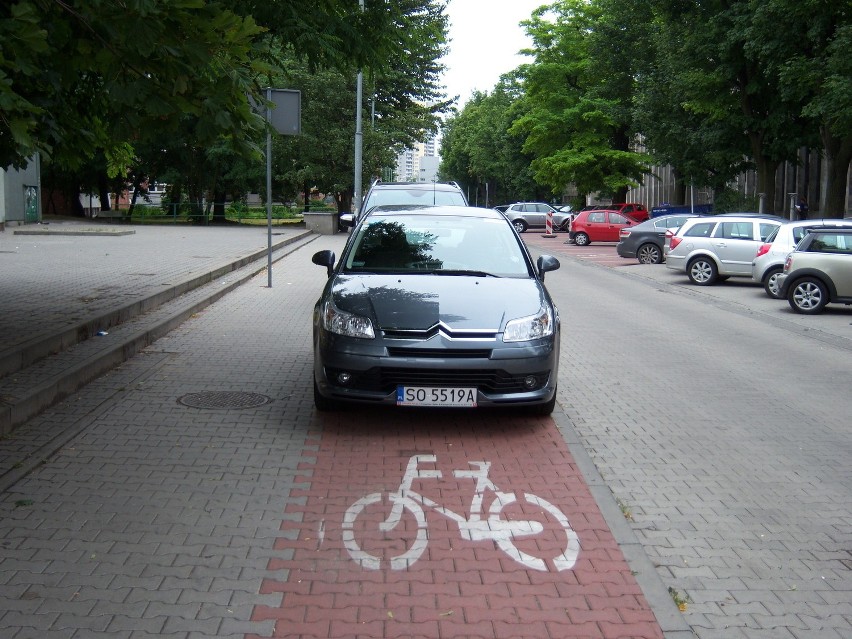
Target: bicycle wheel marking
475	526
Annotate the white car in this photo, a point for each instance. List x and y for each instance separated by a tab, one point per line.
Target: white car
714	248
769	261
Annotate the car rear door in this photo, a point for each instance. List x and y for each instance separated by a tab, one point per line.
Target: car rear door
615	223
735	244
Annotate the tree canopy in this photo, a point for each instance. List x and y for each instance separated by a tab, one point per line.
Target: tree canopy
710	88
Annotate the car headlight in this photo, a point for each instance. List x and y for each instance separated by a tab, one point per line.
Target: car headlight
348	324
528	328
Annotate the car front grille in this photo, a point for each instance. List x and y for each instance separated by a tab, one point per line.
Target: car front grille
486	380
441	353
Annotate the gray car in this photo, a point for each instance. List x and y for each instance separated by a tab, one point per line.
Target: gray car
714	248
769	260
437	306
401	194
646	241
818	271
527	215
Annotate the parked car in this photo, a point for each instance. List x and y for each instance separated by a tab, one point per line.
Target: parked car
436	306
818	271
633	210
769	260
709	249
598	226
528	215
403	194
646	241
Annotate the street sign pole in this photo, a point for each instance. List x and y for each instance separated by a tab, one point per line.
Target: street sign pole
286	120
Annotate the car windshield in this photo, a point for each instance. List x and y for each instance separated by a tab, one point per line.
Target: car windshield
420	196
436	245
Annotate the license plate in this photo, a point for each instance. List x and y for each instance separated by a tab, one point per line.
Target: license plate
427	396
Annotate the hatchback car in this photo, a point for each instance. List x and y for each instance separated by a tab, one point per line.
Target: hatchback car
818	271
646	241
403	194
769	261
598	226
437	306
526	215
710	249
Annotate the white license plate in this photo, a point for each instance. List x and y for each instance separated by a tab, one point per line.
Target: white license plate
427	396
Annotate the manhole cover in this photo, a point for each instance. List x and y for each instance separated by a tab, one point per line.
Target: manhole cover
223	400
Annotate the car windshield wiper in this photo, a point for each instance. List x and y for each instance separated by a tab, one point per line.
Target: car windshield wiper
457	271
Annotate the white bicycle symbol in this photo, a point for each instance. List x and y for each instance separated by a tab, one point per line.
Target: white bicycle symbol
475	528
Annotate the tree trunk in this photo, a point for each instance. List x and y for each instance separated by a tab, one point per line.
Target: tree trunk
838	155
218	207
766	170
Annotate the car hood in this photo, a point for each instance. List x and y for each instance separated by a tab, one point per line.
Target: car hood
419	302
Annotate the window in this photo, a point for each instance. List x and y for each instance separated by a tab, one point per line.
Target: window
596	217
617	218
735	231
831	243
766	230
703	229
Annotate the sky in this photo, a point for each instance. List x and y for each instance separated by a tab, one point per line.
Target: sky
484	42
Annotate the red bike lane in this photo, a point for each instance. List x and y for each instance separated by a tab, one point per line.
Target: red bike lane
495	534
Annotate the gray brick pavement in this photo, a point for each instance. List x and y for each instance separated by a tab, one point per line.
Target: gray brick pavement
156	519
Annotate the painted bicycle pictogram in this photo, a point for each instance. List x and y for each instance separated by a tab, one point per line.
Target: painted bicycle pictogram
478	526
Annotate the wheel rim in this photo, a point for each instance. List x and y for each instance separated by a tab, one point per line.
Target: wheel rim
649	255
772	284
581	239
701	271
519	227
807	296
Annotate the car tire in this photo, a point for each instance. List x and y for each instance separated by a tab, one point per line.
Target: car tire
322	403
702	271
520	225
770	283
543	409
581	239
808	296
649	253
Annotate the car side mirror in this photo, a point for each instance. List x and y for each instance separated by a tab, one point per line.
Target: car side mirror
546	263
326	259
347	220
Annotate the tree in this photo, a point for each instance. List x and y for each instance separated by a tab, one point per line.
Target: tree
576	117
478	150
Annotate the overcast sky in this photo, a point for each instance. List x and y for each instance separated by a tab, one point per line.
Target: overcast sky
484	42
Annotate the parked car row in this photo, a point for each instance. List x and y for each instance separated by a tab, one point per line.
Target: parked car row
806	262
605	222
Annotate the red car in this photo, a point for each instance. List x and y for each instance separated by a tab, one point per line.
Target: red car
631	209
602	225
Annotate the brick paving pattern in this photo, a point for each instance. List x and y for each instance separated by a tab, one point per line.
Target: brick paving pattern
457	588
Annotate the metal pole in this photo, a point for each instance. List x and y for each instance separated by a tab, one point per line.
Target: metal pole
359	136
269	190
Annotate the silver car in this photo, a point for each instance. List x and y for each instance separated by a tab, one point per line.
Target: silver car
525	215
710	249
769	261
438	306
818	271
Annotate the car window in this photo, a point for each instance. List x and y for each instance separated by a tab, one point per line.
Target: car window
771	237
735	231
703	229
617	218
596	217
831	243
415	244
542	208
766	230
